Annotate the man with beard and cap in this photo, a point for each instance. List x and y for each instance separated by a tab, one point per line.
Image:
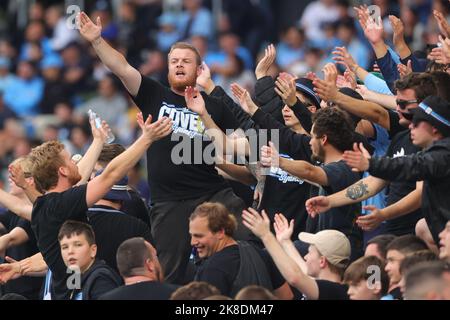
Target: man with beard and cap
178	179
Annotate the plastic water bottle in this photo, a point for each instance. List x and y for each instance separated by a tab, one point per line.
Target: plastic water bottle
98	123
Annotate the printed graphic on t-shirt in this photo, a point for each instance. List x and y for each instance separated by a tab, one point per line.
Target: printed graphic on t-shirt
400	154
282	175
184	120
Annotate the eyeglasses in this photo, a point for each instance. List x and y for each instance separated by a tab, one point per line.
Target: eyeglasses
404	103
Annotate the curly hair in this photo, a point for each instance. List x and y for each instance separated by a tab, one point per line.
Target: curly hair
45	161
335	124
422	84
219	218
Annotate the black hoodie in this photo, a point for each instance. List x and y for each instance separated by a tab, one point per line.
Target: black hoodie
97	280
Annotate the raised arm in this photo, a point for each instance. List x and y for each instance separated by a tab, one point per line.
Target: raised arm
399	40
343	57
224	144
421	166
236	172
384	100
299	168
19	206
260	226
31	190
283	231
13	238
113	60
120	165
87	162
359	191
370	111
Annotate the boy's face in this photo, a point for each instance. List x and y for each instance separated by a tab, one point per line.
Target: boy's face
393	260
77	253
362	291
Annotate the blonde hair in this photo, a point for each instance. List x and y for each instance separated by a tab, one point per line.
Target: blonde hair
188	46
45	162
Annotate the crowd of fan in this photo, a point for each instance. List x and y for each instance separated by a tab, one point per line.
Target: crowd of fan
362	108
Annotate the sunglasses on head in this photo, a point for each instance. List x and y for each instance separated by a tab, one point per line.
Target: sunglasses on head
404	103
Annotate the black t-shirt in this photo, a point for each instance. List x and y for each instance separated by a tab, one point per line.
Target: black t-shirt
283	192
175	180
221	269
343	219
401	145
148	290
29	287
332	290
287	194
111	228
50	211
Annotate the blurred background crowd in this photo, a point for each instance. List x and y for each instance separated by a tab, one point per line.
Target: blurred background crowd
50	77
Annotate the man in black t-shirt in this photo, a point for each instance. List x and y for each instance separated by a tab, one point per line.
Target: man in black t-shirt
331	135
225	263
54	171
143	276
178	176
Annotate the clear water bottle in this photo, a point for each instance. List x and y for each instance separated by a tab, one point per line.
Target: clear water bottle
98	123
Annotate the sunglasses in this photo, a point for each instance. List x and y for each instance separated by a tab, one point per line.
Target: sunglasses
404	103
407	116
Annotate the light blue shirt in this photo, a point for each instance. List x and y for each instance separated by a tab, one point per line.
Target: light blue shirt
380	144
202	24
372	82
23	96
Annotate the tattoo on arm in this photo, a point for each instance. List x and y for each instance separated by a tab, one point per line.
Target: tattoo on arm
357	191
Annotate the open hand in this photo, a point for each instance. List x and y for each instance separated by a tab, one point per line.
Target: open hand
258	224
266	62
194	101
404	70
283	228
358	159
317	205
374	31
89	30
343	57
157	130
285	88
370	221
204	79
244	99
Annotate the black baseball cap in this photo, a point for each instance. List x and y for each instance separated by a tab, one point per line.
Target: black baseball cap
435	111
306	87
